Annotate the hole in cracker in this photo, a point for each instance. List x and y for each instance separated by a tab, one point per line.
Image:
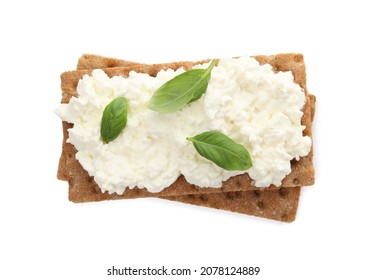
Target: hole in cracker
111	64
260	204
69	156
276	68
294	161
284	217
238	194
238	182
283	192
230	195
204	197
90	179
295	181
257	193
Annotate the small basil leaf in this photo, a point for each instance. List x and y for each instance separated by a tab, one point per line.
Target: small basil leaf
182	89
222	150
114	119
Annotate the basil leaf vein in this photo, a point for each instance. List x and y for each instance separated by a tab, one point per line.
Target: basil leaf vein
222	150
181	90
114	119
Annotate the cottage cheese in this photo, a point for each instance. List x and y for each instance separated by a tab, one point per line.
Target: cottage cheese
246	101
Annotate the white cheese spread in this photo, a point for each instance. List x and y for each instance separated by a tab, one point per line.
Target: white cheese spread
248	102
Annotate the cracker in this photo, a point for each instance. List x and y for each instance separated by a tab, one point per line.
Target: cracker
280	205
272	204
82	187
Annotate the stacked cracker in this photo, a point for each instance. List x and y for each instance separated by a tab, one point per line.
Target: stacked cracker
237	194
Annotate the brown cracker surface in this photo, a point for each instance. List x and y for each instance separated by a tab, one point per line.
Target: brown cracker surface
278	204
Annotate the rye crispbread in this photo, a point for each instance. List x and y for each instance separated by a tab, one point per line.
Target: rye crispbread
272	204
207	200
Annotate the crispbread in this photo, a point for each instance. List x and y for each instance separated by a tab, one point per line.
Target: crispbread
272	204
278	204
82	188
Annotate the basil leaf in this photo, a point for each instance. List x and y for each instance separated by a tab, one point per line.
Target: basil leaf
182	89
114	119
222	150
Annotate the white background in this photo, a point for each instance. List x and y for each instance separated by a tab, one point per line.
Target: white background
44	236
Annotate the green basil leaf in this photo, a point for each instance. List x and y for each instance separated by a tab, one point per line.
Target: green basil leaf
114	119
222	150
182	89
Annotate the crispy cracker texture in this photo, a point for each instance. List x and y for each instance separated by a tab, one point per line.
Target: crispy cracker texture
279	204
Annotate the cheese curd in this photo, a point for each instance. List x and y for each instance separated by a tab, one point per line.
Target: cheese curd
248	102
